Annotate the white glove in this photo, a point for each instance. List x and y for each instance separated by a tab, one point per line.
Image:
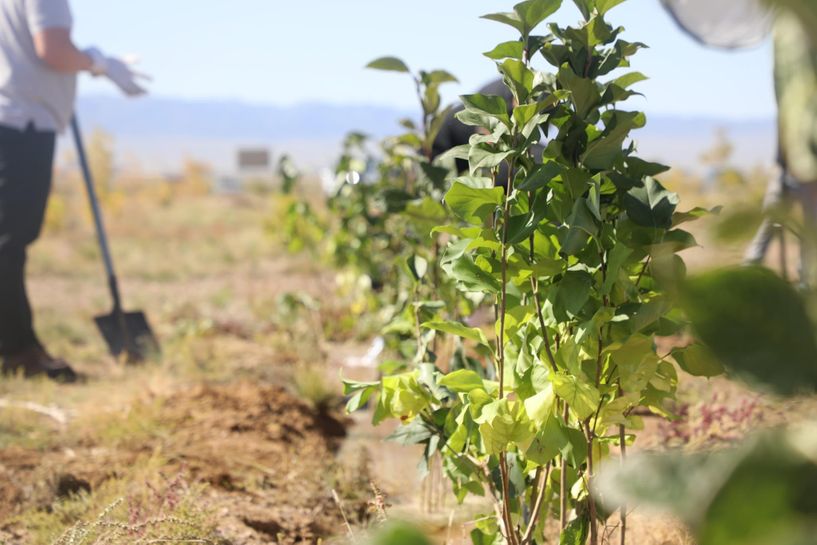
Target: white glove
119	71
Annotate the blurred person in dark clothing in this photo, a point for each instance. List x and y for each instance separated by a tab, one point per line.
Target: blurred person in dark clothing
456	133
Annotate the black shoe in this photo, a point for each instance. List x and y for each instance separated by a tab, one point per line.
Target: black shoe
35	361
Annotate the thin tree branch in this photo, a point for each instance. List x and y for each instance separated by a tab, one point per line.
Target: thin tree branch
537	506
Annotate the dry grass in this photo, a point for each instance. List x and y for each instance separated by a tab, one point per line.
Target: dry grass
144	506
209	278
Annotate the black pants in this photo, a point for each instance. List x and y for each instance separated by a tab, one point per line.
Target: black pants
26	162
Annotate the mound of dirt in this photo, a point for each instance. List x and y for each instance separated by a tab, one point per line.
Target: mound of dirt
267	457
267	411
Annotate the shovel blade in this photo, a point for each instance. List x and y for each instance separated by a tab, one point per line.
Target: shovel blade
128	333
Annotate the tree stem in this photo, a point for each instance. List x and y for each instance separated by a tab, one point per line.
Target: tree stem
534	284
594	530
563	482
512	536
622	437
513	539
537	505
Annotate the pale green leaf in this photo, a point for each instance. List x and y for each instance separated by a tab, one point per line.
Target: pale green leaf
389	64
458	329
473	205
584	399
462	381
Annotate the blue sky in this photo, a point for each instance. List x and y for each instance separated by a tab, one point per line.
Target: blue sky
284	52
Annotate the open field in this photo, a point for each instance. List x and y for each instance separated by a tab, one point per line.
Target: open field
536	311
235	434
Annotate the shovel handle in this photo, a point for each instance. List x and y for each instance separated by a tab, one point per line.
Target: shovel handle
99	223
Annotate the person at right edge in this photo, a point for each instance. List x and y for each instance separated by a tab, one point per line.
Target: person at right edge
795	49
39	64
737	24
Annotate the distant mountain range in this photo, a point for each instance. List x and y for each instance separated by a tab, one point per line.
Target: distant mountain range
159	133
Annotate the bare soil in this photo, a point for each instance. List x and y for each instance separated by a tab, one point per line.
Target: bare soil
266	456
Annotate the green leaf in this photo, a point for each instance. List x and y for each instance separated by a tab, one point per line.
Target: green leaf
477	182
471	277
418	266
639	168
541	176
520	227
508	18
698	361
533	12
400	533
584	399
438	77
585	7
351	386
581	226
603	6
584	92
576	532
502	423
518	77
646	314
506	50
629	79
477	399
479	537
484	157
401	397
540	406
462	381
457	152
604	151
474	205
772	478
614	413
486	239
524	114
757	325
412	433
616	259
682	217
572	292
776	480
548	443
651	205
360	398
390	64
458	329
636	363
490	105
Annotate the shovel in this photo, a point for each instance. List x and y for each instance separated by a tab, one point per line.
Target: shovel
125	332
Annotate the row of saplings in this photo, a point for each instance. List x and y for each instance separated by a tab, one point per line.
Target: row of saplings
571	249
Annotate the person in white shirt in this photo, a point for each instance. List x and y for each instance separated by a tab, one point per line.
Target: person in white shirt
39	64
